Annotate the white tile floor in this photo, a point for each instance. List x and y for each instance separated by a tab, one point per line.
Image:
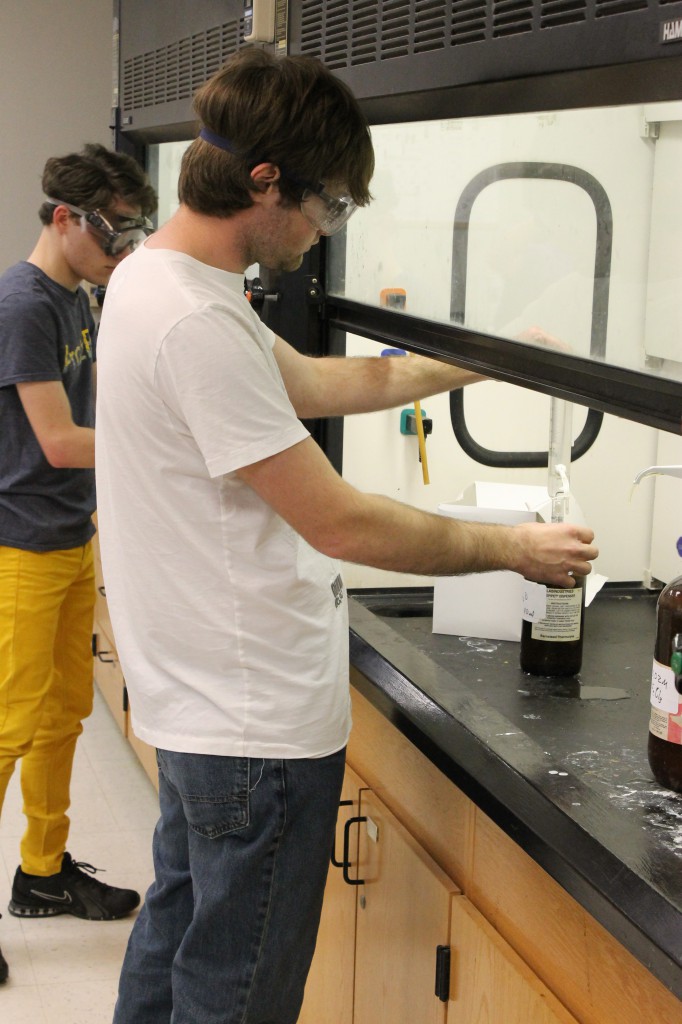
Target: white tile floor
62	970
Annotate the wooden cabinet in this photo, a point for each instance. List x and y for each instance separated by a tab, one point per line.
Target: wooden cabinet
109	675
107	670
490	983
329	988
402	945
376	952
403	919
522	950
102	618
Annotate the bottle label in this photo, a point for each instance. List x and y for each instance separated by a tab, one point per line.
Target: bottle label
666	705
561	621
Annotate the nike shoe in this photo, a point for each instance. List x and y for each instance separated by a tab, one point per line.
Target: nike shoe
4	969
70	891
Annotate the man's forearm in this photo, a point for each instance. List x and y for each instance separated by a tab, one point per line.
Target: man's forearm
370	529
72	449
342	386
389	535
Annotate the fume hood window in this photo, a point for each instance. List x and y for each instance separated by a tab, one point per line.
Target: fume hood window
163	160
565	221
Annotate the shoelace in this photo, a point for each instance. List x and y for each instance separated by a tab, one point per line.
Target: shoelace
83	866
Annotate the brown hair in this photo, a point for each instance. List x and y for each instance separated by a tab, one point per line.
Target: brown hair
94	180
289	111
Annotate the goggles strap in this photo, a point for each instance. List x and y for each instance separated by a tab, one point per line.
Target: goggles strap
218	140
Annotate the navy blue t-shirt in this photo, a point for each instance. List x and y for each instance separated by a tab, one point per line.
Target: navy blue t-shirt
46	333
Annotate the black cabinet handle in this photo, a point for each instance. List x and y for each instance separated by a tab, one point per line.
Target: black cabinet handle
102	590
106	661
346	850
335	862
443	973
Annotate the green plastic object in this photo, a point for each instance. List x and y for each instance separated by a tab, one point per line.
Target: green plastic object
406	428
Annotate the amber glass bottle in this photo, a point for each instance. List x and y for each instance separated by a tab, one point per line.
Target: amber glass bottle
665	726
553	645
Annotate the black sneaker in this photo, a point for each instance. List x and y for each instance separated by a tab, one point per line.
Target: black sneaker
70	891
4	969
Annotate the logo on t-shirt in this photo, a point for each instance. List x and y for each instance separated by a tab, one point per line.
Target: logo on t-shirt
337	590
83	350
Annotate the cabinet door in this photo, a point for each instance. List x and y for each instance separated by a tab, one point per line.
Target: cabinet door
329	989
109	679
146	756
403	917
490	983
102	619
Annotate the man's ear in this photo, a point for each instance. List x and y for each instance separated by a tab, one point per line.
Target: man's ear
60	217
264	176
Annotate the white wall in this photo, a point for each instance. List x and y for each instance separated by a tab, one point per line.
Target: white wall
56	87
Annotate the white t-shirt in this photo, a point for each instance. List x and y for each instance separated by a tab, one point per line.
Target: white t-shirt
231	630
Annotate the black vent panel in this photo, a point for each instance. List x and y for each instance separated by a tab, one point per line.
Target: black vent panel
347	34
554	13
174	72
469	22
511	17
395	54
610	8
431	18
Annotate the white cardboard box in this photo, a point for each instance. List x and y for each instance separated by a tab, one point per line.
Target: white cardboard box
487	604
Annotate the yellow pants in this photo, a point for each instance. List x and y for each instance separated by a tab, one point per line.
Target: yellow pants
46	687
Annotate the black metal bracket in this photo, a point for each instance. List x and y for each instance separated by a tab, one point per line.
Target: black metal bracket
314	292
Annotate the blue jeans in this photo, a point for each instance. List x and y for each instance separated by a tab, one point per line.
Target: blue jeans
228	927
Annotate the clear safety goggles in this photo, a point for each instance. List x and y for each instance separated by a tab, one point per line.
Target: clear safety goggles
326	213
127	233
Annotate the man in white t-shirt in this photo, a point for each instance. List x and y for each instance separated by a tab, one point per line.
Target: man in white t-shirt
221	522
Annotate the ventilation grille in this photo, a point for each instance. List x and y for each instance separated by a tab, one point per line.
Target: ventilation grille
469	21
344	34
607	8
176	71
511	17
352	33
554	13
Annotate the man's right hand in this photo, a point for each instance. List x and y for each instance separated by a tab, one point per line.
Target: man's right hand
553	553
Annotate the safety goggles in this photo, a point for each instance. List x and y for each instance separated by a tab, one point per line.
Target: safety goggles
326	213
128	233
